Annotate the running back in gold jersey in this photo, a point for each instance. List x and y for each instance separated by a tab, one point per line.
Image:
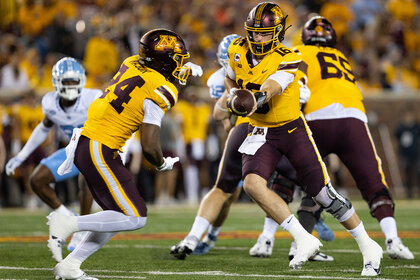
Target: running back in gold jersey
282	108
114	117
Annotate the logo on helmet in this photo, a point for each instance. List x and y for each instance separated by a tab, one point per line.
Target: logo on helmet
167	42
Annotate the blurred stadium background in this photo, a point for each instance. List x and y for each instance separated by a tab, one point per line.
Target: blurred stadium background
380	37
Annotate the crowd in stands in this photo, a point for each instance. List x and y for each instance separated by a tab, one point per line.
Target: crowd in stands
380	37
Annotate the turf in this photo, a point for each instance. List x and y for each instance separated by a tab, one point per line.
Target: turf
144	254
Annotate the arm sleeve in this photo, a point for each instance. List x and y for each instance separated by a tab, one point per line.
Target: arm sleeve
38	136
282	78
230	73
153	114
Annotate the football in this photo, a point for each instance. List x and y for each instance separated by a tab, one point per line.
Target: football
242	102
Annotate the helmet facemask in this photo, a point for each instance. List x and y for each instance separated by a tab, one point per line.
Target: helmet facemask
181	72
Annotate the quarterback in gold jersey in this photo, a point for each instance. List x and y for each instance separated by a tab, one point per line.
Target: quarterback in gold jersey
262	64
136	99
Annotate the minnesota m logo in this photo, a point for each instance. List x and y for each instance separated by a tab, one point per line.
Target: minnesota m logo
259	131
168	42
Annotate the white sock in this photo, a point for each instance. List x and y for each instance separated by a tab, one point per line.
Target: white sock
64	210
213	230
389	227
270	228
109	220
72	261
199	227
91	243
360	235
191	183
292	225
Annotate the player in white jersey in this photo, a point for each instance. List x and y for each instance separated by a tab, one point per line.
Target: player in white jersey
66	108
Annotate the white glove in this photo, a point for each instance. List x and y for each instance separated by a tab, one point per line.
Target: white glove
305	93
167	164
12	164
196	70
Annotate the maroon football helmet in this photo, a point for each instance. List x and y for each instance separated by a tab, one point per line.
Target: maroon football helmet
319	31
164	51
264	18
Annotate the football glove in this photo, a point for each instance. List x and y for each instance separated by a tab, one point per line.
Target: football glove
260	97
12	164
168	163
196	70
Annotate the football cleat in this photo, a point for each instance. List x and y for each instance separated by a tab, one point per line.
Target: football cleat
63	272
324	232
75	240
185	247
59	231
317	257
206	245
305	249
396	250
372	255
263	248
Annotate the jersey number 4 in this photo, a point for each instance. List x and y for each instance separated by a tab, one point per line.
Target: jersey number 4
123	89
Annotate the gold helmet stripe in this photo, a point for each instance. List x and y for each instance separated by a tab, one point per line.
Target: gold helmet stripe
259	12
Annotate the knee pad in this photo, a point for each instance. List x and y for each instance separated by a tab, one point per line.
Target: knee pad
381	198
284	188
310	206
335	204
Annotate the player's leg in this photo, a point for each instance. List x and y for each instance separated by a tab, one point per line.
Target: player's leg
114	189
312	173
364	164
214	201
257	167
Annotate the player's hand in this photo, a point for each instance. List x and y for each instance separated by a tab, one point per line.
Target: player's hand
168	163
12	164
305	93
196	70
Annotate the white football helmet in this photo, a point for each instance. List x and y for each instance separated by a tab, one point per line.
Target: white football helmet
68	78
222	50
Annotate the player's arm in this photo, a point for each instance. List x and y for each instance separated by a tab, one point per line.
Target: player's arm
222	114
150	137
37	137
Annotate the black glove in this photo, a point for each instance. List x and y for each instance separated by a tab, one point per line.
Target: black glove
260	97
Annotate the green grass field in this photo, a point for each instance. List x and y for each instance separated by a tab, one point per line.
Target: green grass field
144	254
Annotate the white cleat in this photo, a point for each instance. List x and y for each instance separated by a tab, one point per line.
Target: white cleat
308	247
263	248
317	257
396	250
75	240
59	231
63	272
372	256
185	247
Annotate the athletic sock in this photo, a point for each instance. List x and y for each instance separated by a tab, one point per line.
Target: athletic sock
64	210
389	227
213	230
199	227
292	225
270	228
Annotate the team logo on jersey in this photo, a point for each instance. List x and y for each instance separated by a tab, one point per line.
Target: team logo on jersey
167	42
237	57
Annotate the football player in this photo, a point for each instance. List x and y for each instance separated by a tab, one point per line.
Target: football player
215	205
262	64
337	118
136	99
65	108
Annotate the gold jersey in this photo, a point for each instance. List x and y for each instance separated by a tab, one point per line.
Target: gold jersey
114	117
282	108
330	79
195	120
28	117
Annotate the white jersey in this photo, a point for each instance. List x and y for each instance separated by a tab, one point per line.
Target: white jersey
216	83
72	117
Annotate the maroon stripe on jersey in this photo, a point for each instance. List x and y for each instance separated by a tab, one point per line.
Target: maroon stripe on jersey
167	94
289	66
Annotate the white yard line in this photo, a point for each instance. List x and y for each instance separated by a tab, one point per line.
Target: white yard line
204	273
